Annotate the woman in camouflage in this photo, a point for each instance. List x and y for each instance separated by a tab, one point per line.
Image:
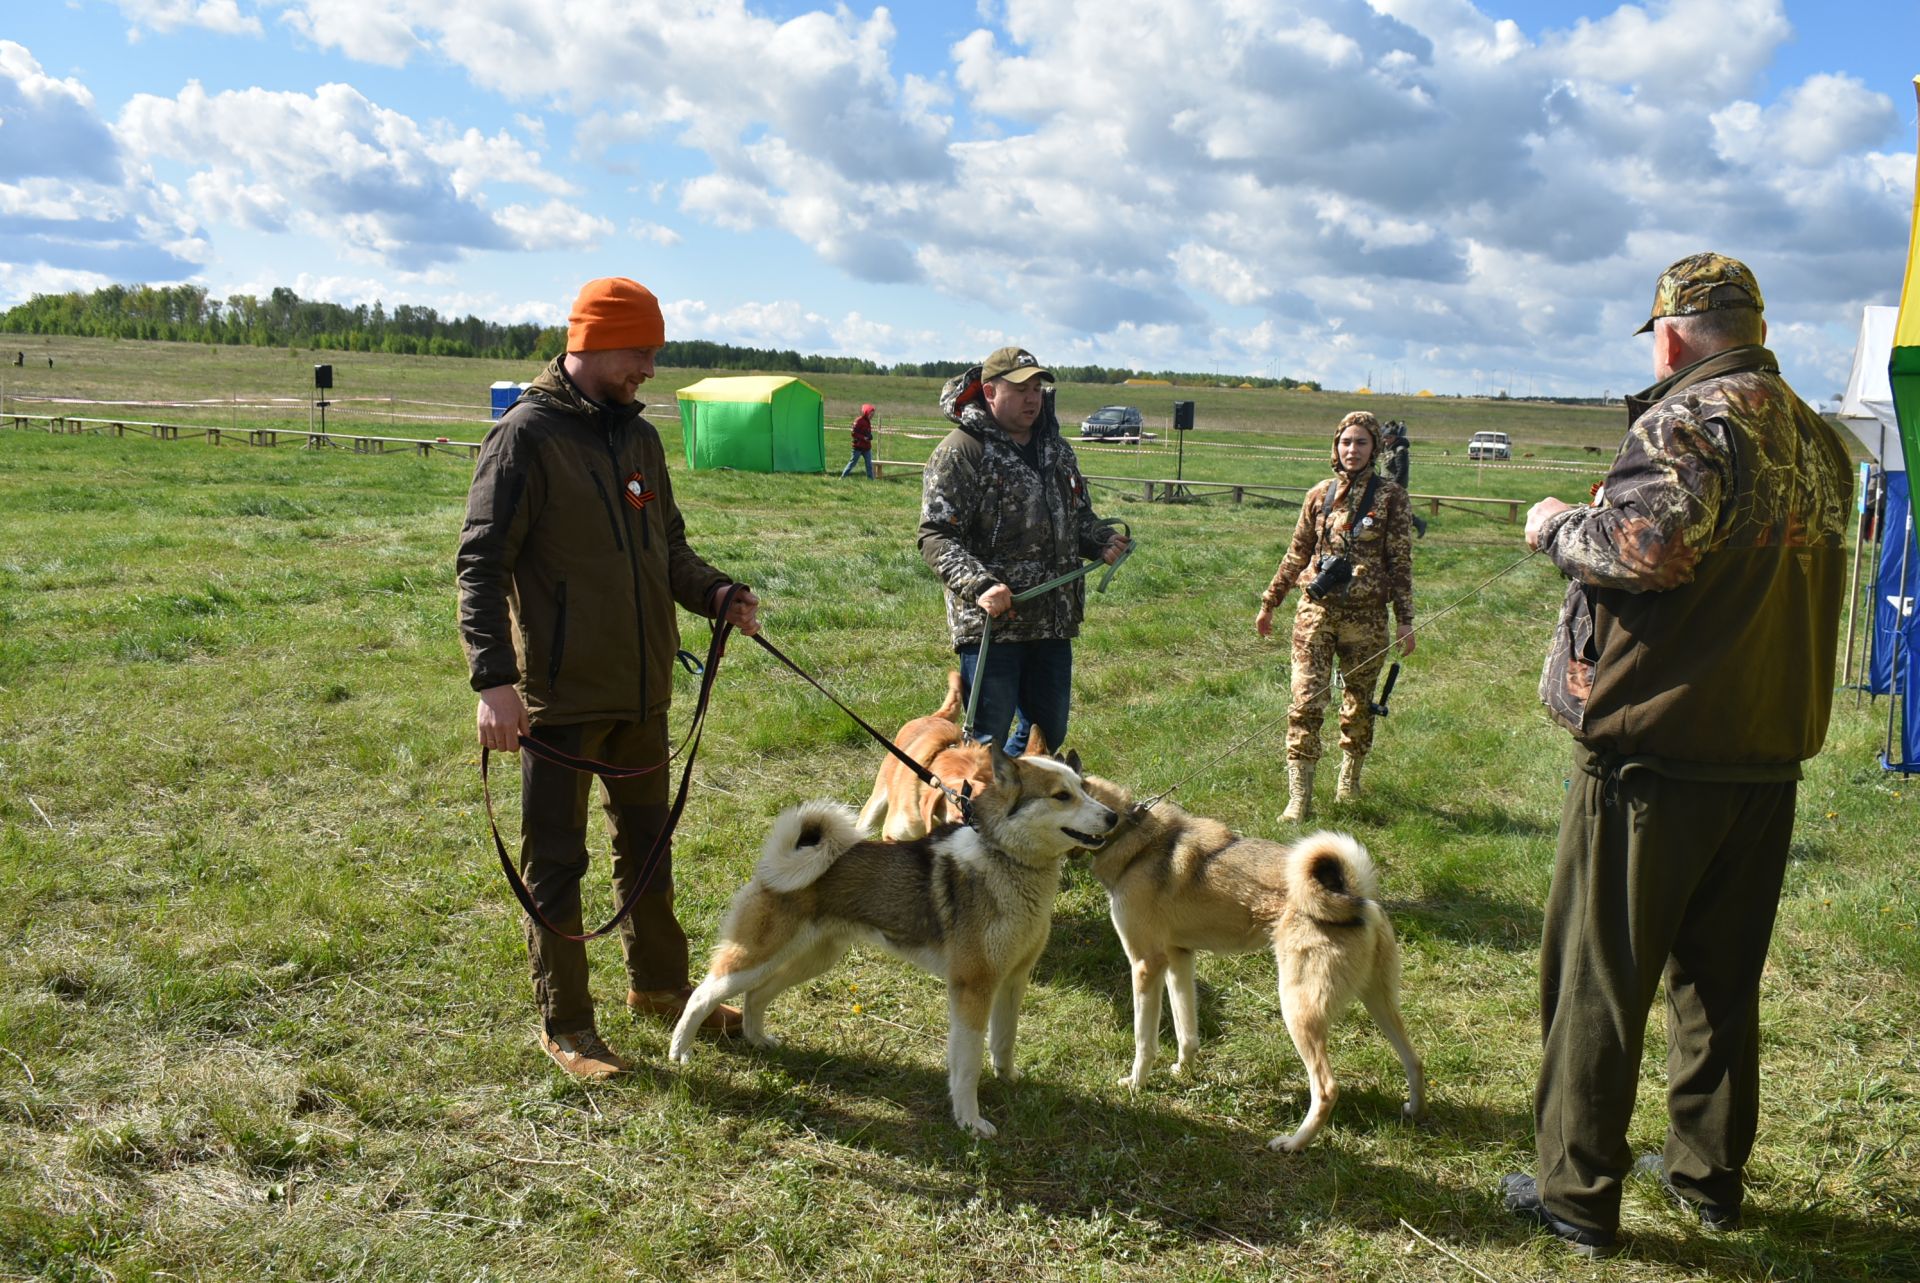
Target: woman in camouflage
1352	552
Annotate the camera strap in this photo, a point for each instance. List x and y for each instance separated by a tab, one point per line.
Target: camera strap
1365	505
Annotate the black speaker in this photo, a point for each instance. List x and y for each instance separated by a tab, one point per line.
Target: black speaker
1183	416
323	376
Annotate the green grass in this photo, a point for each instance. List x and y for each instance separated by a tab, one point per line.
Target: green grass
263	1001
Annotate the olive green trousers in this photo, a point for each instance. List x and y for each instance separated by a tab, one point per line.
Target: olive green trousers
1656	878
553	860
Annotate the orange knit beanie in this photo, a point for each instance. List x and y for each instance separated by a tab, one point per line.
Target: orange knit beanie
614	312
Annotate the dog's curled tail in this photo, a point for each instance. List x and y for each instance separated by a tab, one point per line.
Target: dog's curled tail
804	843
1330	877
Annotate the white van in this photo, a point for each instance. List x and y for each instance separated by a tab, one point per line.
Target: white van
1489	445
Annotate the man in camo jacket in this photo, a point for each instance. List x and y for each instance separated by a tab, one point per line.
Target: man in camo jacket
1694	664
1003	508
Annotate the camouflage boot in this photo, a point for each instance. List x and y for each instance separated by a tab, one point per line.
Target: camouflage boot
1349	787
1299	793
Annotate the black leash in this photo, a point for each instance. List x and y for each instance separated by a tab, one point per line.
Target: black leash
961	799
547	752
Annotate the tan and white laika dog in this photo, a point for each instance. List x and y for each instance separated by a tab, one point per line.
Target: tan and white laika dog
970	903
1177	884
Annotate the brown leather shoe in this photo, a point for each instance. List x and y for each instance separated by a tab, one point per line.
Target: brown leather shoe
583	1055
667	1004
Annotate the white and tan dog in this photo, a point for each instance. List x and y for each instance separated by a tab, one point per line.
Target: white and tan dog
1177	884
970	903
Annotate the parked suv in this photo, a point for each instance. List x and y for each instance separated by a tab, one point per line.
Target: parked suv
1113	421
1489	445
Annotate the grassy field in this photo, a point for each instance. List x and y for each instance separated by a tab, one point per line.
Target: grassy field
264	1009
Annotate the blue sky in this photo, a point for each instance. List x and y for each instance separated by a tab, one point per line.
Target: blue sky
1460	195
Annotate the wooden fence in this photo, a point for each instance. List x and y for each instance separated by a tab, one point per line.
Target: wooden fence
1163	489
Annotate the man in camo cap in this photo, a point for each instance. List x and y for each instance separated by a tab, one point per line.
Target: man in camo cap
1003	507
1694	665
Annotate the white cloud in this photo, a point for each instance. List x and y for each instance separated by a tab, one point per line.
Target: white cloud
554	225
1823	118
222	16
379	33
47	126
642	230
68	209
335	165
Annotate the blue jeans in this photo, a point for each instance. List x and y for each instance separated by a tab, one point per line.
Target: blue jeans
1032	678
858	455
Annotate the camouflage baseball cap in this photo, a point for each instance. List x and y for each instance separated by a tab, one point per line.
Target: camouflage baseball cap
1700	283
1014	364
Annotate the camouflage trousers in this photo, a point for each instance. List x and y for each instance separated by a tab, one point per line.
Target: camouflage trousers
1357	639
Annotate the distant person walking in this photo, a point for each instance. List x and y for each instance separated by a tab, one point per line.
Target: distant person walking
571	561
862	443
1693	662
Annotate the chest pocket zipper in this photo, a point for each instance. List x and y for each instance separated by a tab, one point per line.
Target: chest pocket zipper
613	517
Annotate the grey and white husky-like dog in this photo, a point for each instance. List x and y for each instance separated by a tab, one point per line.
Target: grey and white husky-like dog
972	903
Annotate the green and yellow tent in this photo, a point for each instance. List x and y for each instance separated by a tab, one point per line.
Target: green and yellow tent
756	423
1903	370
1900	554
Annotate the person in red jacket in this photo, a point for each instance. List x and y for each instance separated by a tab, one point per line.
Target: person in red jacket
862	443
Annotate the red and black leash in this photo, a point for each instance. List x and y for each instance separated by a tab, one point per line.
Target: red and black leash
547	752
691	747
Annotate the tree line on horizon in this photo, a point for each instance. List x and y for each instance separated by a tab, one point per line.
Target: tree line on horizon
189	314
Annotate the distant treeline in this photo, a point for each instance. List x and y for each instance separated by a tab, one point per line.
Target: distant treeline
188	314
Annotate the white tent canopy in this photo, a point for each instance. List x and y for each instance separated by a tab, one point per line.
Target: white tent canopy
1867	408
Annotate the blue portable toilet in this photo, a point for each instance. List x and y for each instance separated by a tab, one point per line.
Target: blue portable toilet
505	393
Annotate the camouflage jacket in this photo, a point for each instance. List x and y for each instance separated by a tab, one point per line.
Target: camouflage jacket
1700	625
1378	541
988	517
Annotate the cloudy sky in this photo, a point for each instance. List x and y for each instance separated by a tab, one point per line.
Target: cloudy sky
1461	195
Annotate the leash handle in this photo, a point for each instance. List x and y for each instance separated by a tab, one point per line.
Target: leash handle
547	752
986	632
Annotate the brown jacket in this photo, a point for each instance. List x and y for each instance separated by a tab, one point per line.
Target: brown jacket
1700	626
572	557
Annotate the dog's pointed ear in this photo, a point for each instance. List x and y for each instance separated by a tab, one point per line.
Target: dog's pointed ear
1004	770
1072	759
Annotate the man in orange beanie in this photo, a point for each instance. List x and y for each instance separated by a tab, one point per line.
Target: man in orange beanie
571	561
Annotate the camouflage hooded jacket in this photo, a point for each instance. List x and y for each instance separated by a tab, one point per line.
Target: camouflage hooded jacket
1379	543
1700	625
988	517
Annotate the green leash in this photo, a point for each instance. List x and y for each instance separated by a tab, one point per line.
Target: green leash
986	635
